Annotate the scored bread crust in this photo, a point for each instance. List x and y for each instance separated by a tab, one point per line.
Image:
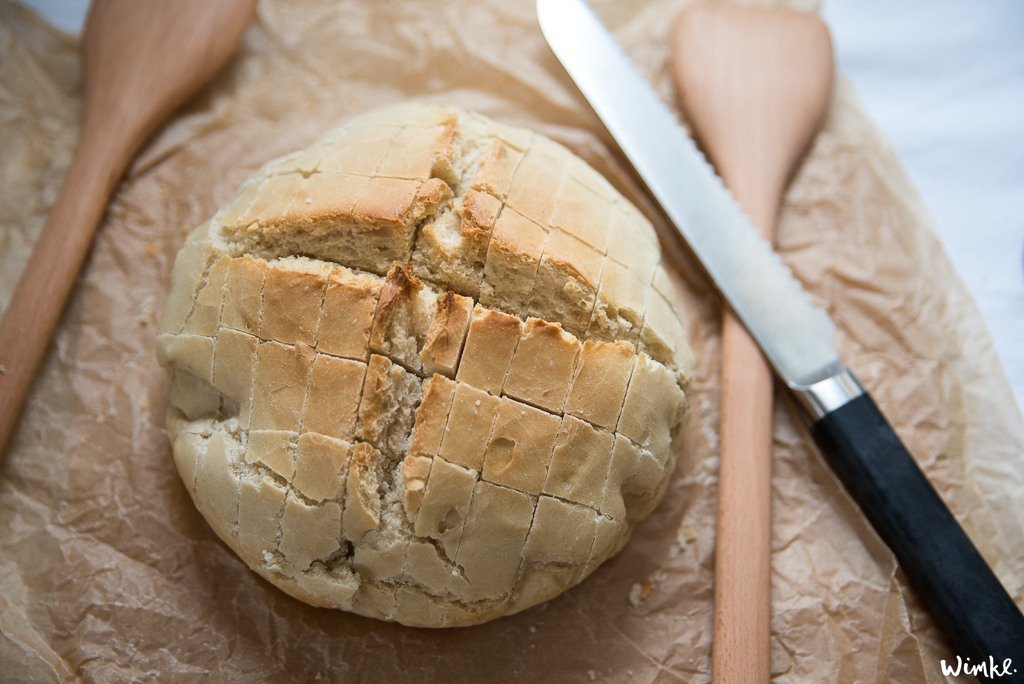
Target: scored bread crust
425	370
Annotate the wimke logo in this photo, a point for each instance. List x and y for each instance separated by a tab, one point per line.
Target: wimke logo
989	669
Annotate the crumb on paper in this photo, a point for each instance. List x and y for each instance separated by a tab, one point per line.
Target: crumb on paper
3	369
687	535
147	314
636	595
592	675
639	592
533	629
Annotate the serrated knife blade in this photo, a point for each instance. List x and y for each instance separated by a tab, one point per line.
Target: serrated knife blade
796	337
940	560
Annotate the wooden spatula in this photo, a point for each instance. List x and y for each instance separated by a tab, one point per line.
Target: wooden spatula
142	60
754	84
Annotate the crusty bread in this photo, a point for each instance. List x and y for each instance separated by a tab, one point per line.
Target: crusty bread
425	370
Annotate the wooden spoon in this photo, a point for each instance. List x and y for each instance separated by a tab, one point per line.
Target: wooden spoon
754	83
141	61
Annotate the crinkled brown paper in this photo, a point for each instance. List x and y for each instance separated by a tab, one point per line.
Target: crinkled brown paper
107	571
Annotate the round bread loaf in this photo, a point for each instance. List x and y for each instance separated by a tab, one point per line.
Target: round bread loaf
425	370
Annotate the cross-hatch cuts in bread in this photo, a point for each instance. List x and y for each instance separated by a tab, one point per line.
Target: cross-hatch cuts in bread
425	370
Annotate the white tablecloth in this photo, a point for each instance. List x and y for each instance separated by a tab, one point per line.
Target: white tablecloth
945	80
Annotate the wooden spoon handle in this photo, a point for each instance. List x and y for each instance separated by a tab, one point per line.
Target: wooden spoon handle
754	84
742	622
140	62
43	288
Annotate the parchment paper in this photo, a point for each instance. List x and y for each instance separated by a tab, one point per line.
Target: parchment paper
107	572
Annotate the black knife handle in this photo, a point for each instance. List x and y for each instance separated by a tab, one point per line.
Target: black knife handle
950	576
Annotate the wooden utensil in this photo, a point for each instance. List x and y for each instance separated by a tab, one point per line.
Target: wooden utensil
141	61
754	84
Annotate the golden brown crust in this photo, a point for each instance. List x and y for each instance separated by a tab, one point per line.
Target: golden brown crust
320	466
491	542
652	407
519	447
277	399
562	533
415	470
513	256
425	370
497	169
385	416
469	425
332	398
490	344
576	479
273	449
291	306
599	382
443	340
432	416
362	503
260	506
542	365
348	309
308	532
233	364
445	504
478	213
243	295
395	325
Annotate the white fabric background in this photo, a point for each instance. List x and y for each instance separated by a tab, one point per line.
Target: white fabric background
945	80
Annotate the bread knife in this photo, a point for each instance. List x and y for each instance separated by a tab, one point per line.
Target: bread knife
797	338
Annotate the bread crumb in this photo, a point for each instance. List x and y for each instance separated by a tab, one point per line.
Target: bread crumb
592	675
687	535
533	630
3	370
638	593
147	314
